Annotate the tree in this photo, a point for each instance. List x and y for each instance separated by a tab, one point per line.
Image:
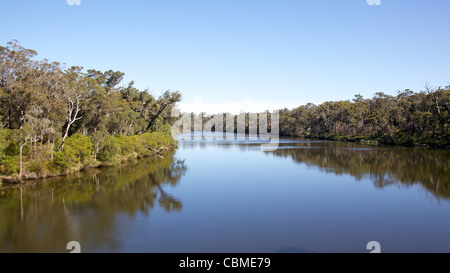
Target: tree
42	102
21	137
113	78
165	102
99	138
16	82
74	91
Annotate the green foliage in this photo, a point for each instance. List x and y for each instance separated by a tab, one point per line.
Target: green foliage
144	145
41	102
36	166
110	152
164	105
4	140
9	165
406	119
81	146
160	126
50	99
98	139
155	140
77	149
64	159
51	167
9	151
128	144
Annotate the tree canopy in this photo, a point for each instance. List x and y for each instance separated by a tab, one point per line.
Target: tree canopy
408	118
48	103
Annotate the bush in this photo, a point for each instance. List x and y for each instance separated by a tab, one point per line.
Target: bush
9	165
143	145
35	167
12	149
160	126
64	159
77	149
4	140
82	146
128	144
110	152
155	140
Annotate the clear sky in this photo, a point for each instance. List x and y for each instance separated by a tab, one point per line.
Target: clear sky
244	53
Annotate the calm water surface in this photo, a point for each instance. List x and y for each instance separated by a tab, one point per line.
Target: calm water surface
229	196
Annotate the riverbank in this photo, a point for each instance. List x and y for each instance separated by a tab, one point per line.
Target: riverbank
379	140
81	153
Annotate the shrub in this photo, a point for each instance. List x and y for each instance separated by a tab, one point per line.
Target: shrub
82	146
12	149
64	159
4	140
51	167
9	165
35	166
160	126
77	149
110	152
128	144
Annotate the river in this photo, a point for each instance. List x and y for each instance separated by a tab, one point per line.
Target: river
231	196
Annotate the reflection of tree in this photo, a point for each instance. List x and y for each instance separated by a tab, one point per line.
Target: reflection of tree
84	207
384	166
168	202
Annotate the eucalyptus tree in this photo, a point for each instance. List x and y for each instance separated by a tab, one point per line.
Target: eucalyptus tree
16	83
164	104
74	90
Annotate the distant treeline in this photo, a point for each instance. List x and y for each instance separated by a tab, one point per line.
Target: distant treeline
409	118
406	119
43	105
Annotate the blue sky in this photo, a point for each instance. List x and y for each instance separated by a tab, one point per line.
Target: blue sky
244	53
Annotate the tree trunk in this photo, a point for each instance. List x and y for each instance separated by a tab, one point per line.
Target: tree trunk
52	145
65	136
21	158
152	121
70	119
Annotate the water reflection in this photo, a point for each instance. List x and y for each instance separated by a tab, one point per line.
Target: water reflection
46	214
236	198
384	165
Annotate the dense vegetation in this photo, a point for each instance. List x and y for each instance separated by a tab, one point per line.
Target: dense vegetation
409	118
55	120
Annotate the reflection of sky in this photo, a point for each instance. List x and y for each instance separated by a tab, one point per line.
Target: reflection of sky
225	140
205	140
